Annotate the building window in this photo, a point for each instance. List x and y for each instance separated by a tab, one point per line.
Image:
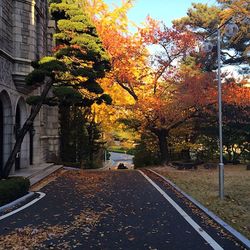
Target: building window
38	37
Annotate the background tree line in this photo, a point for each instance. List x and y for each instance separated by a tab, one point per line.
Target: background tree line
173	92
104	79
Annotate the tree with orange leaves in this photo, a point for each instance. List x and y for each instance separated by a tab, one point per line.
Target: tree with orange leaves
127	51
150	84
169	88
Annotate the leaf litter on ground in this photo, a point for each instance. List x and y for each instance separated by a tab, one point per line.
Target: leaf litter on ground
88	185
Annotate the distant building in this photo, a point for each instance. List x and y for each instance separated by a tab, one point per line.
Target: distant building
25	35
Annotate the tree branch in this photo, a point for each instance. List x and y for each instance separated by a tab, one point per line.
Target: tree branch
48	82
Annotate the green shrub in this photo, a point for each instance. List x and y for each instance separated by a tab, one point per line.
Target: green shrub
117	150
86	164
12	189
71	164
131	151
145	158
146	152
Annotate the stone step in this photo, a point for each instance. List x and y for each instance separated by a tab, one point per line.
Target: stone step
37	173
35	178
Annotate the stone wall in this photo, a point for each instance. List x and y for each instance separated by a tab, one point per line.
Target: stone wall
6	41
24	37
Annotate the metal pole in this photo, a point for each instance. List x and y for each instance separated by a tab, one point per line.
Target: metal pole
221	164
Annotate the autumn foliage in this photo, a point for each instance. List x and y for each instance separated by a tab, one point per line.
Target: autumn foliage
158	77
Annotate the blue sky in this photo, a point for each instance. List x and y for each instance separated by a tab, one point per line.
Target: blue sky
163	10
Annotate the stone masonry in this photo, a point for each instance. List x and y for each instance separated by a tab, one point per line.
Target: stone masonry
25	35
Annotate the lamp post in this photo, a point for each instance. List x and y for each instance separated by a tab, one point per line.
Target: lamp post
221	164
230	30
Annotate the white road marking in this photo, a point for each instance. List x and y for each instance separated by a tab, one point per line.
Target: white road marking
24	206
196	227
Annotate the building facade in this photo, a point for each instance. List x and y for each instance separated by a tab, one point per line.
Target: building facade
25	35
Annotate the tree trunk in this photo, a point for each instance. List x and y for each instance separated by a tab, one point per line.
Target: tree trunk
185	154
229	153
91	144
65	131
163	145
26	127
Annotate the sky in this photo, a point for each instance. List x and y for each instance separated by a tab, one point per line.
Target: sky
163	10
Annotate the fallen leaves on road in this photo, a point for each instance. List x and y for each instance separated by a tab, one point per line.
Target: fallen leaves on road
28	237
42	236
88	182
32	238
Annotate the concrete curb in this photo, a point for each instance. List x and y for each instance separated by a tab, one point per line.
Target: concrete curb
235	233
41	195
34	178
107	165
70	168
16	202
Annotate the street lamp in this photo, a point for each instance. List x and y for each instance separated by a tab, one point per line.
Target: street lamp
230	30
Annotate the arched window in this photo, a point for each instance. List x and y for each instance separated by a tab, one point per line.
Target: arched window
22	158
17	129
6	127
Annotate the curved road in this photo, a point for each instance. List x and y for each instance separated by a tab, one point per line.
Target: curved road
111	210
118	158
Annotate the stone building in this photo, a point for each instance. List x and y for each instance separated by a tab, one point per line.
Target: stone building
25	35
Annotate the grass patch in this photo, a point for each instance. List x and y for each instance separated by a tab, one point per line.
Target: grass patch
12	189
117	149
203	185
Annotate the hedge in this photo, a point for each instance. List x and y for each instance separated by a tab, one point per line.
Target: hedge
12	189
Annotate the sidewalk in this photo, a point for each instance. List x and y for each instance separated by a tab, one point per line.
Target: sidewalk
37	173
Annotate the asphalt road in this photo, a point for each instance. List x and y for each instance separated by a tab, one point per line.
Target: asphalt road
110	210
118	158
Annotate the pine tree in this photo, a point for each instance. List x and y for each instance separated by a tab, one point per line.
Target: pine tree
204	20
78	61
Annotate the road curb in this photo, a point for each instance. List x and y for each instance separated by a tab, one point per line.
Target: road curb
34	179
227	227
16	202
41	195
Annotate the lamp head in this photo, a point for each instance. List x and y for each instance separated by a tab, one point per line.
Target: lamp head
207	47
231	29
